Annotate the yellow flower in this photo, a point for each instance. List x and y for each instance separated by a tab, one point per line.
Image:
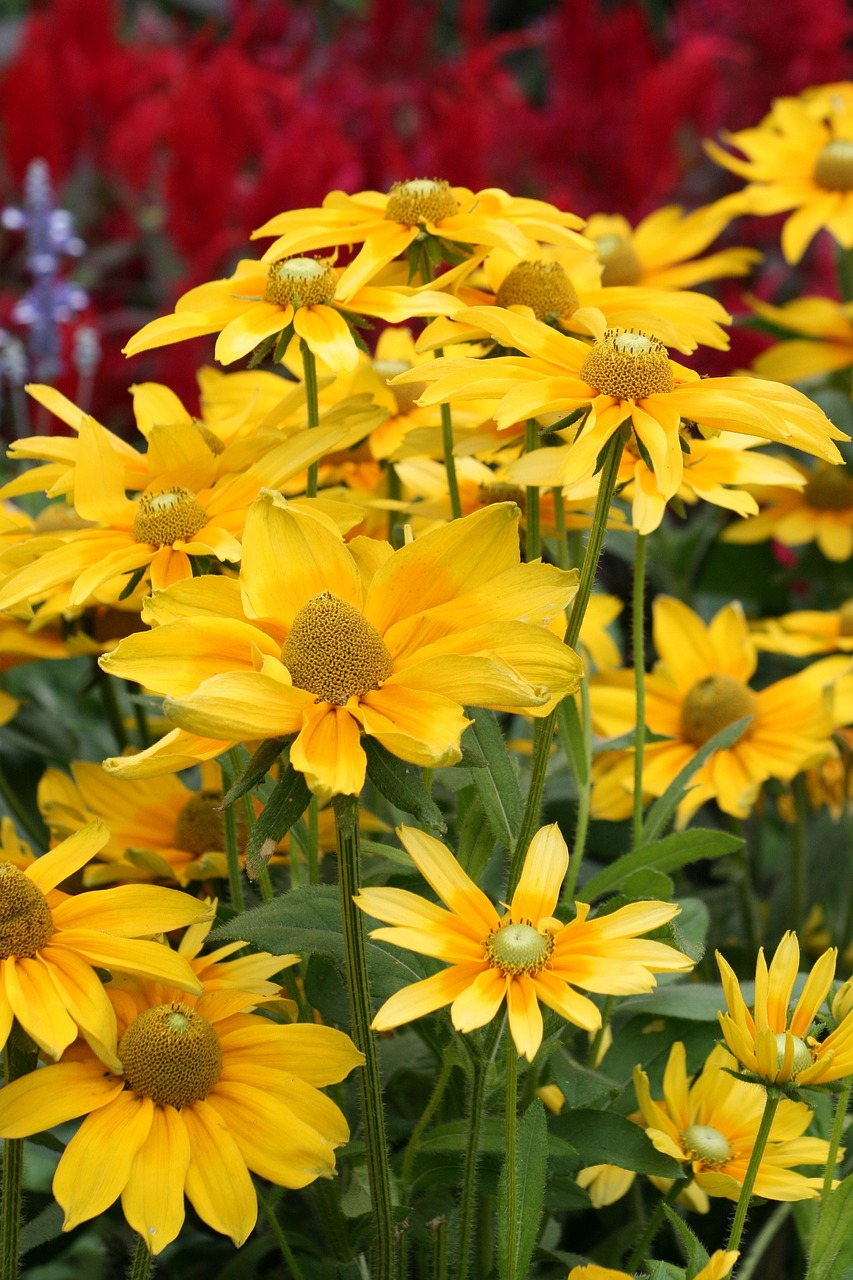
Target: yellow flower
700	685
776	1045
807	631
660	252
825	346
711	1123
339	639
626	377
261	299
718	1267
51	945
800	157
521	957
821	512
387	225
203	1093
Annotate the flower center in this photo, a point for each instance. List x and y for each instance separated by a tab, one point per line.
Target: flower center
845	619
542	286
620	260
712	704
26	922
704	1143
420	201
301	282
334	652
488	495
834	166
200	825
171	1054
829	488
802	1052
628	366
518	948
163	518
407	393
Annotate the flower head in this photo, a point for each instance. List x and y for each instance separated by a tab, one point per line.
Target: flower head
719	1266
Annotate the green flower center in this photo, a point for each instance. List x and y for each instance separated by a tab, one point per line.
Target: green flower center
518	948
171	1054
620	260
301	282
628	366
542	286
200	825
165	518
829	488
712	704
702	1142
333	651
834	166
802	1052
419	201
26	921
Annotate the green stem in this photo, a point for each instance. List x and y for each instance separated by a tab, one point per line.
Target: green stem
639	629
584	798
798	854
653	1225
841	1104
358	990
312	404
534	536
20	1057
449	459
482	1063
762	1240
140	1268
770	1105
280	1239
232	845
511	1133
395	493
313	842
264	882
109	699
439	1248
441	1083
560	526
544	731
141	717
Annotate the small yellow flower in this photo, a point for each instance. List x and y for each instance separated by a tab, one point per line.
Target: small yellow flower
718	1267
821	511
824	343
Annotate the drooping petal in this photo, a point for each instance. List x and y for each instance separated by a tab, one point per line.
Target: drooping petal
425	996
423	728
153	1197
52	1095
328	751
525	1016
37	1005
480	1001
218	1183
176	657
130	955
259	320
241	705
96	1164
274	1141
83	995
325	331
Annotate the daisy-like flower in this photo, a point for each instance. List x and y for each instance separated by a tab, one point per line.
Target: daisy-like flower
624	378
718	1267
414	211
521	957
774	1044
821	511
698	687
824	343
334	639
800	158
660	252
51	945
711	1124
262	299
204	1091
807	632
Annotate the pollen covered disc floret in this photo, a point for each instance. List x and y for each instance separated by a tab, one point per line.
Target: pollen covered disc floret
518	948
620	260
333	651
628	366
419	201
26	921
301	282
542	286
703	1142
171	1054
834	166
163	518
712	704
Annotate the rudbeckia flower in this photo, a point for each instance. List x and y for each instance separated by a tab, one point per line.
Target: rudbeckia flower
336	639
718	1266
625	377
711	1124
386	225
520	957
824	343
699	685
51	945
807	632
203	1093
800	158
771	1042
821	511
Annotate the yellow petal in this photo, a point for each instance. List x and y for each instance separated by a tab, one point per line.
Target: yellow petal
479	1002
175	658
218	1183
130	911
423	728
525	1016
153	1196
274	1142
326	332
241	705
542	876
316	1054
52	1095
425	996
37	1005
131	955
96	1164
69	856
444	875
258	321
83	995
328	751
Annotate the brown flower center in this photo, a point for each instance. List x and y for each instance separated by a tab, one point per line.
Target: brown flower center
333	651
829	488
712	704
171	1054
164	518
845	619
419	201
834	166
620	260
200	825
704	1143
488	495
518	948
301	282
542	286
26	922
628	366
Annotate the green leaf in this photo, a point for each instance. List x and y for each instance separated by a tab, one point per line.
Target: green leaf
133	582
666	855
581	1086
693	1001
661	812
476	842
665	1271
44	1227
289	799
531	1158
695	1253
497	784
256	770
401	784
647	883
831	1256
573	739
602	1137
627	741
